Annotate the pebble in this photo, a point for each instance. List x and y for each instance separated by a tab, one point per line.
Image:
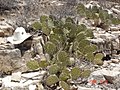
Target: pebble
115	60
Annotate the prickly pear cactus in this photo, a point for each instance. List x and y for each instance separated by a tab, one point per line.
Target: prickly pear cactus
80	36
33	65
89	33
98	59
90	49
43	19
63	57
64	85
82	46
115	21
50	48
81	28
54	69
45	29
69	19
75	73
36	25
51	80
43	63
85	73
89	57
81	9
64	76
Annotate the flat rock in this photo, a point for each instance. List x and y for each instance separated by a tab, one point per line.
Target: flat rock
29	80
112	77
96	77
16	77
11	61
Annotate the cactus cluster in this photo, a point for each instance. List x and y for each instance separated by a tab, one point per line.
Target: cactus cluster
100	16
67	41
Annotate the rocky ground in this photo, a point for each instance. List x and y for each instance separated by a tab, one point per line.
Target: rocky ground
15	75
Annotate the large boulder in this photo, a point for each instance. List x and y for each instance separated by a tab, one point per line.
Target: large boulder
11	61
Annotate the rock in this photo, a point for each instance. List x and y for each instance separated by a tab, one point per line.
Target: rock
112	64
16	77
115	10
116	69
106	63
112	77
27	55
11	61
29	81
32	87
84	88
72	61
1	33
115	60
115	30
2	40
4	45
96	41
40	86
96	77
5	29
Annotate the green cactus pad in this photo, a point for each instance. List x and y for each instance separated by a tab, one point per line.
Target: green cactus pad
70	26
75	73
64	85
36	25
81	28
89	56
69	19
62	56
64	76
83	43
50	23
43	19
86	73
50	48
51	80
89	33
57	31
104	15
81	9
53	69
115	21
46	30
43	63
80	36
95	9
90	48
33	65
98	59
66	70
